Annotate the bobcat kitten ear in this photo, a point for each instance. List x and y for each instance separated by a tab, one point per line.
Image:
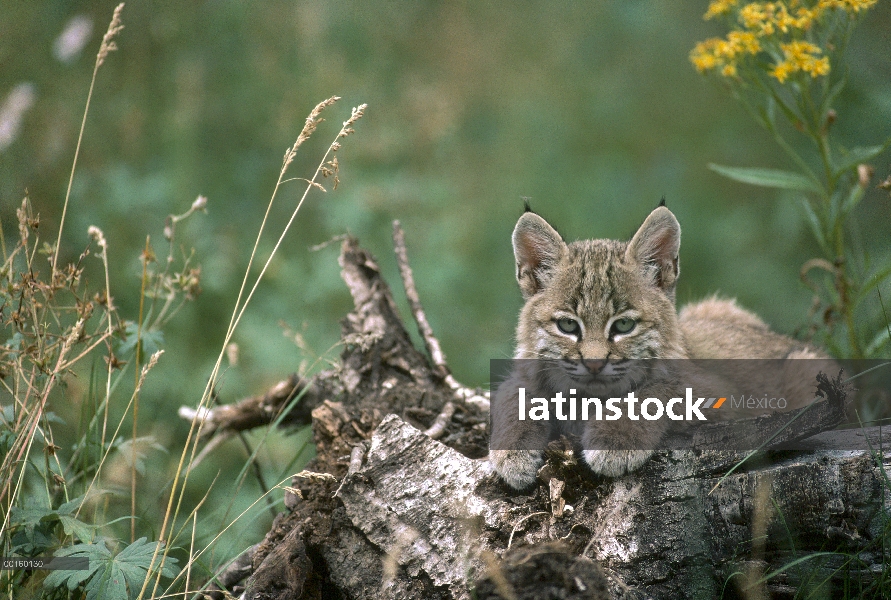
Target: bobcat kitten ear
537	248
655	247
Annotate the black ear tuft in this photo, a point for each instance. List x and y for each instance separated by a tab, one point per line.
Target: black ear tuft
526	207
662	202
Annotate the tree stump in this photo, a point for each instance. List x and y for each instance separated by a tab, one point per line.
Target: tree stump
400	501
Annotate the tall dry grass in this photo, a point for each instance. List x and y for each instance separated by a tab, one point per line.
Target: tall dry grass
66	343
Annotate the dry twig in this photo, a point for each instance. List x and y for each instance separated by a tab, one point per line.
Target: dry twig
436	430
441	367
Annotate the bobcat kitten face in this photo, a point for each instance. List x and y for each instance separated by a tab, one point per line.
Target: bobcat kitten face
595	304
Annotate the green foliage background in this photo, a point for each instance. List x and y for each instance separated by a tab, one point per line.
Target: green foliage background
590	109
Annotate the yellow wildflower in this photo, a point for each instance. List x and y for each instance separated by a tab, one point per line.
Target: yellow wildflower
782	71
848	5
783	20
798	51
799	55
743	42
758	17
721	54
770	27
704	56
718	8
806	17
816	67
766	18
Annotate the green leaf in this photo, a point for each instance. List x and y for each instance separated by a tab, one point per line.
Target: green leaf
859	155
835	91
76	528
853	199
873	282
54	418
134	453
774	178
765	114
46	517
134	561
111	576
32	514
15	342
33	527
74	504
771	112
70	506
878	342
815	223
151	340
97	555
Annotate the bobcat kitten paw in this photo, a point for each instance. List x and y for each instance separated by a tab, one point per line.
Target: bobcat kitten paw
518	468
614	463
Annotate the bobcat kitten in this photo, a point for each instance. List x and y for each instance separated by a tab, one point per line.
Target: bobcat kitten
591	307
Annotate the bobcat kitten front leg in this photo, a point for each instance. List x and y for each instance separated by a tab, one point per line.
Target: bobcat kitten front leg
615	463
518	468
619	447
516	447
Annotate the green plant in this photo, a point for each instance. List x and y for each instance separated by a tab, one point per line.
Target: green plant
109	575
55	328
782	60
66	345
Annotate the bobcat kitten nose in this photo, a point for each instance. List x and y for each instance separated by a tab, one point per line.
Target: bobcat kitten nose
594	365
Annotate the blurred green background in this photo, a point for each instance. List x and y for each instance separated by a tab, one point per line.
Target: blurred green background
590	109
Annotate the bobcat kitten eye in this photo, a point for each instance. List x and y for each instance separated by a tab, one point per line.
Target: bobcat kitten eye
624	325
567	325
